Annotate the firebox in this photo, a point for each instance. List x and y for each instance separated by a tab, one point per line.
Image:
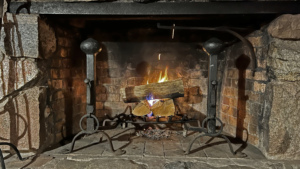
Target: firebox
150	52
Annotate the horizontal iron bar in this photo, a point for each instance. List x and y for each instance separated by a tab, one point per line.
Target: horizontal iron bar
155	8
160	122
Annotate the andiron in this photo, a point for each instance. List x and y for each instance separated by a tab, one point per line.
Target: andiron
213	47
91	47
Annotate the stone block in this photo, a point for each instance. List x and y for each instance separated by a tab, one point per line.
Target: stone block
16	74
283	60
20	120
256	41
285	27
19	36
280	123
259	87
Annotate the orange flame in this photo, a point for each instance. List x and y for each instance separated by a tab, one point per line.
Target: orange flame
165	77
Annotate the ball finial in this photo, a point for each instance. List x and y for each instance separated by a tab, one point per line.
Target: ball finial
90	46
213	46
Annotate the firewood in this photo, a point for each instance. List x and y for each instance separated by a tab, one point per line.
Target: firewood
169	89
143	108
163	107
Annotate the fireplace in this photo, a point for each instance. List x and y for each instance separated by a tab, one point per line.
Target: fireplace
43	68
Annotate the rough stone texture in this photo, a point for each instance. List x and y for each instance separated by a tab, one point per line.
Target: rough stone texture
47	39
20	119
283	60
16	73
19	36
281	121
285	27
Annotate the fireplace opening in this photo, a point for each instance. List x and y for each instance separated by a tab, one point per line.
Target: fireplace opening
134	52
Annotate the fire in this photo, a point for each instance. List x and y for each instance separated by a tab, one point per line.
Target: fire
162	78
151	102
165	77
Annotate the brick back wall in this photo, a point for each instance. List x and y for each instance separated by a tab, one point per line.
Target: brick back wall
67	87
121	65
242	94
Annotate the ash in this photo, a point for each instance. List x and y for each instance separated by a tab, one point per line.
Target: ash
154	134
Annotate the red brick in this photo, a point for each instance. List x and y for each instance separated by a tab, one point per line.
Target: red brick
233	102
64	52
64	42
226	100
228	91
99	105
232	121
58	95
57	84
54	73
252	129
64	73
224	118
66	63
78	91
225	108
230	129
100	89
253	139
101	97
194	90
56	63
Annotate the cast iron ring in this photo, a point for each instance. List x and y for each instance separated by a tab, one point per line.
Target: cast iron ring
211	118
87	115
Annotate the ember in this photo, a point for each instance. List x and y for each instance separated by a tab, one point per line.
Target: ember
154	134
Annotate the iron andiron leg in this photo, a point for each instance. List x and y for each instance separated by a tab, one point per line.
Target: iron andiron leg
91	47
15	149
213	47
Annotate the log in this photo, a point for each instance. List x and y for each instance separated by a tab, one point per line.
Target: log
163	107
142	109
169	89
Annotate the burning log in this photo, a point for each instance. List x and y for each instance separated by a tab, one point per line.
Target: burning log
169	89
163	107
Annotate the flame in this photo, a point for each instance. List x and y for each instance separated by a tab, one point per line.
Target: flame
159	56
151	102
165	77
